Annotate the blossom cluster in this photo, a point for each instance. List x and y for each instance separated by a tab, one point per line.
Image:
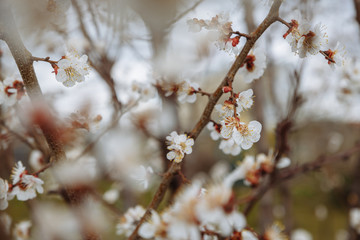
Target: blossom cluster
199	213
306	40
235	134
24	186
179	145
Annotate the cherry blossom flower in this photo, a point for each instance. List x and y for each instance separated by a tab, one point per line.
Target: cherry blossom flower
244	100
186	92
227	109
253	66
303	39
243	134
4	187
22	230
221	30
128	222
179	145
24	186
355	219
71	69
336	56
11	91
142	175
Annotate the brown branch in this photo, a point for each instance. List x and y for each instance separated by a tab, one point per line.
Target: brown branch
24	61
205	118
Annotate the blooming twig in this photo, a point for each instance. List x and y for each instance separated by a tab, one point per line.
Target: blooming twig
205	117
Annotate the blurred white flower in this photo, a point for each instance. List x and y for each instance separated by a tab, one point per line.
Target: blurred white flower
178	146
145	90
300	234
275	232
253	66
71	69
217	213
283	162
220	31
155	228
4	187
128	222
248	235
111	195
355	219
186	92
22	230
143	175
11	91
5	222
214	131
229	146
36	160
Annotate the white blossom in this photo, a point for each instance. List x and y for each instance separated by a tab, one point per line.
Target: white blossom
25	186
243	134
253	66
227	109
179	145
22	230
336	56
143	175
300	234
4	187
220	31
72	69
248	235
213	214
186	92
303	39
155	228
11	91
214	132
128	222
229	146
355	219
245	100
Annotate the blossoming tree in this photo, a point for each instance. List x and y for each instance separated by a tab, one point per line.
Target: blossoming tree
110	112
